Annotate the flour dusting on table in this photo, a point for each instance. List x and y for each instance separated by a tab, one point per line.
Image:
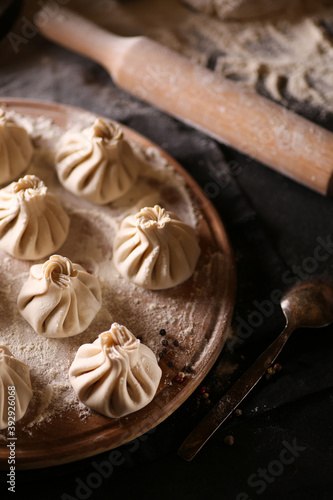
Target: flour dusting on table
286	53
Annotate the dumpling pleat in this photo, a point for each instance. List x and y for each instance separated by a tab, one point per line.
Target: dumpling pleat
13	373
126	378
56	310
155	249
33	223
97	164
15	149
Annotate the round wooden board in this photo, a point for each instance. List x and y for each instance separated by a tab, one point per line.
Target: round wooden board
71	438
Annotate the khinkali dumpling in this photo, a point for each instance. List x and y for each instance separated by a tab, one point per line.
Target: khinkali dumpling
33	223
15	149
155	249
97	164
115	375
13	373
59	299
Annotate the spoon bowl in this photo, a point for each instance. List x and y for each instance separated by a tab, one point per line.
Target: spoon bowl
308	305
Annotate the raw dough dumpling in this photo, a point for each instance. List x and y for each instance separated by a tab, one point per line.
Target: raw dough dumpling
115	375
97	164
13	373
33	223
155	249
15	149
59	299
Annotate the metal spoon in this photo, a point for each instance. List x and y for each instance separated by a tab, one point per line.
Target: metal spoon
307	305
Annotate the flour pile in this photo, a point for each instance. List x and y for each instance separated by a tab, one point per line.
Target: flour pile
287	54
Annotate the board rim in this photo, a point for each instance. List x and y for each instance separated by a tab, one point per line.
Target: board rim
86	447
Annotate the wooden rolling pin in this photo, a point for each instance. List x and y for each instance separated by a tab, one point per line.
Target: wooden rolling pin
222	109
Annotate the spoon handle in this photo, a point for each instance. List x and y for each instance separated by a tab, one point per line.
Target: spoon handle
229	402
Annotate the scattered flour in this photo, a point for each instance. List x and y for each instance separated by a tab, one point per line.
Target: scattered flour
287	53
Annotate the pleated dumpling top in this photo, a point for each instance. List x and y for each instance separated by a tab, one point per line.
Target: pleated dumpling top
97	164
16	149
33	223
15	388
155	249
59	298
116	374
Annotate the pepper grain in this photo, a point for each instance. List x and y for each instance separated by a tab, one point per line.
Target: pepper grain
229	440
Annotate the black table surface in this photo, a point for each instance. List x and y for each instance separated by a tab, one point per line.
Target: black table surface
283	446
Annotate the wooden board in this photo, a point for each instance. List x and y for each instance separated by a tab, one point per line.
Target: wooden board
71	438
